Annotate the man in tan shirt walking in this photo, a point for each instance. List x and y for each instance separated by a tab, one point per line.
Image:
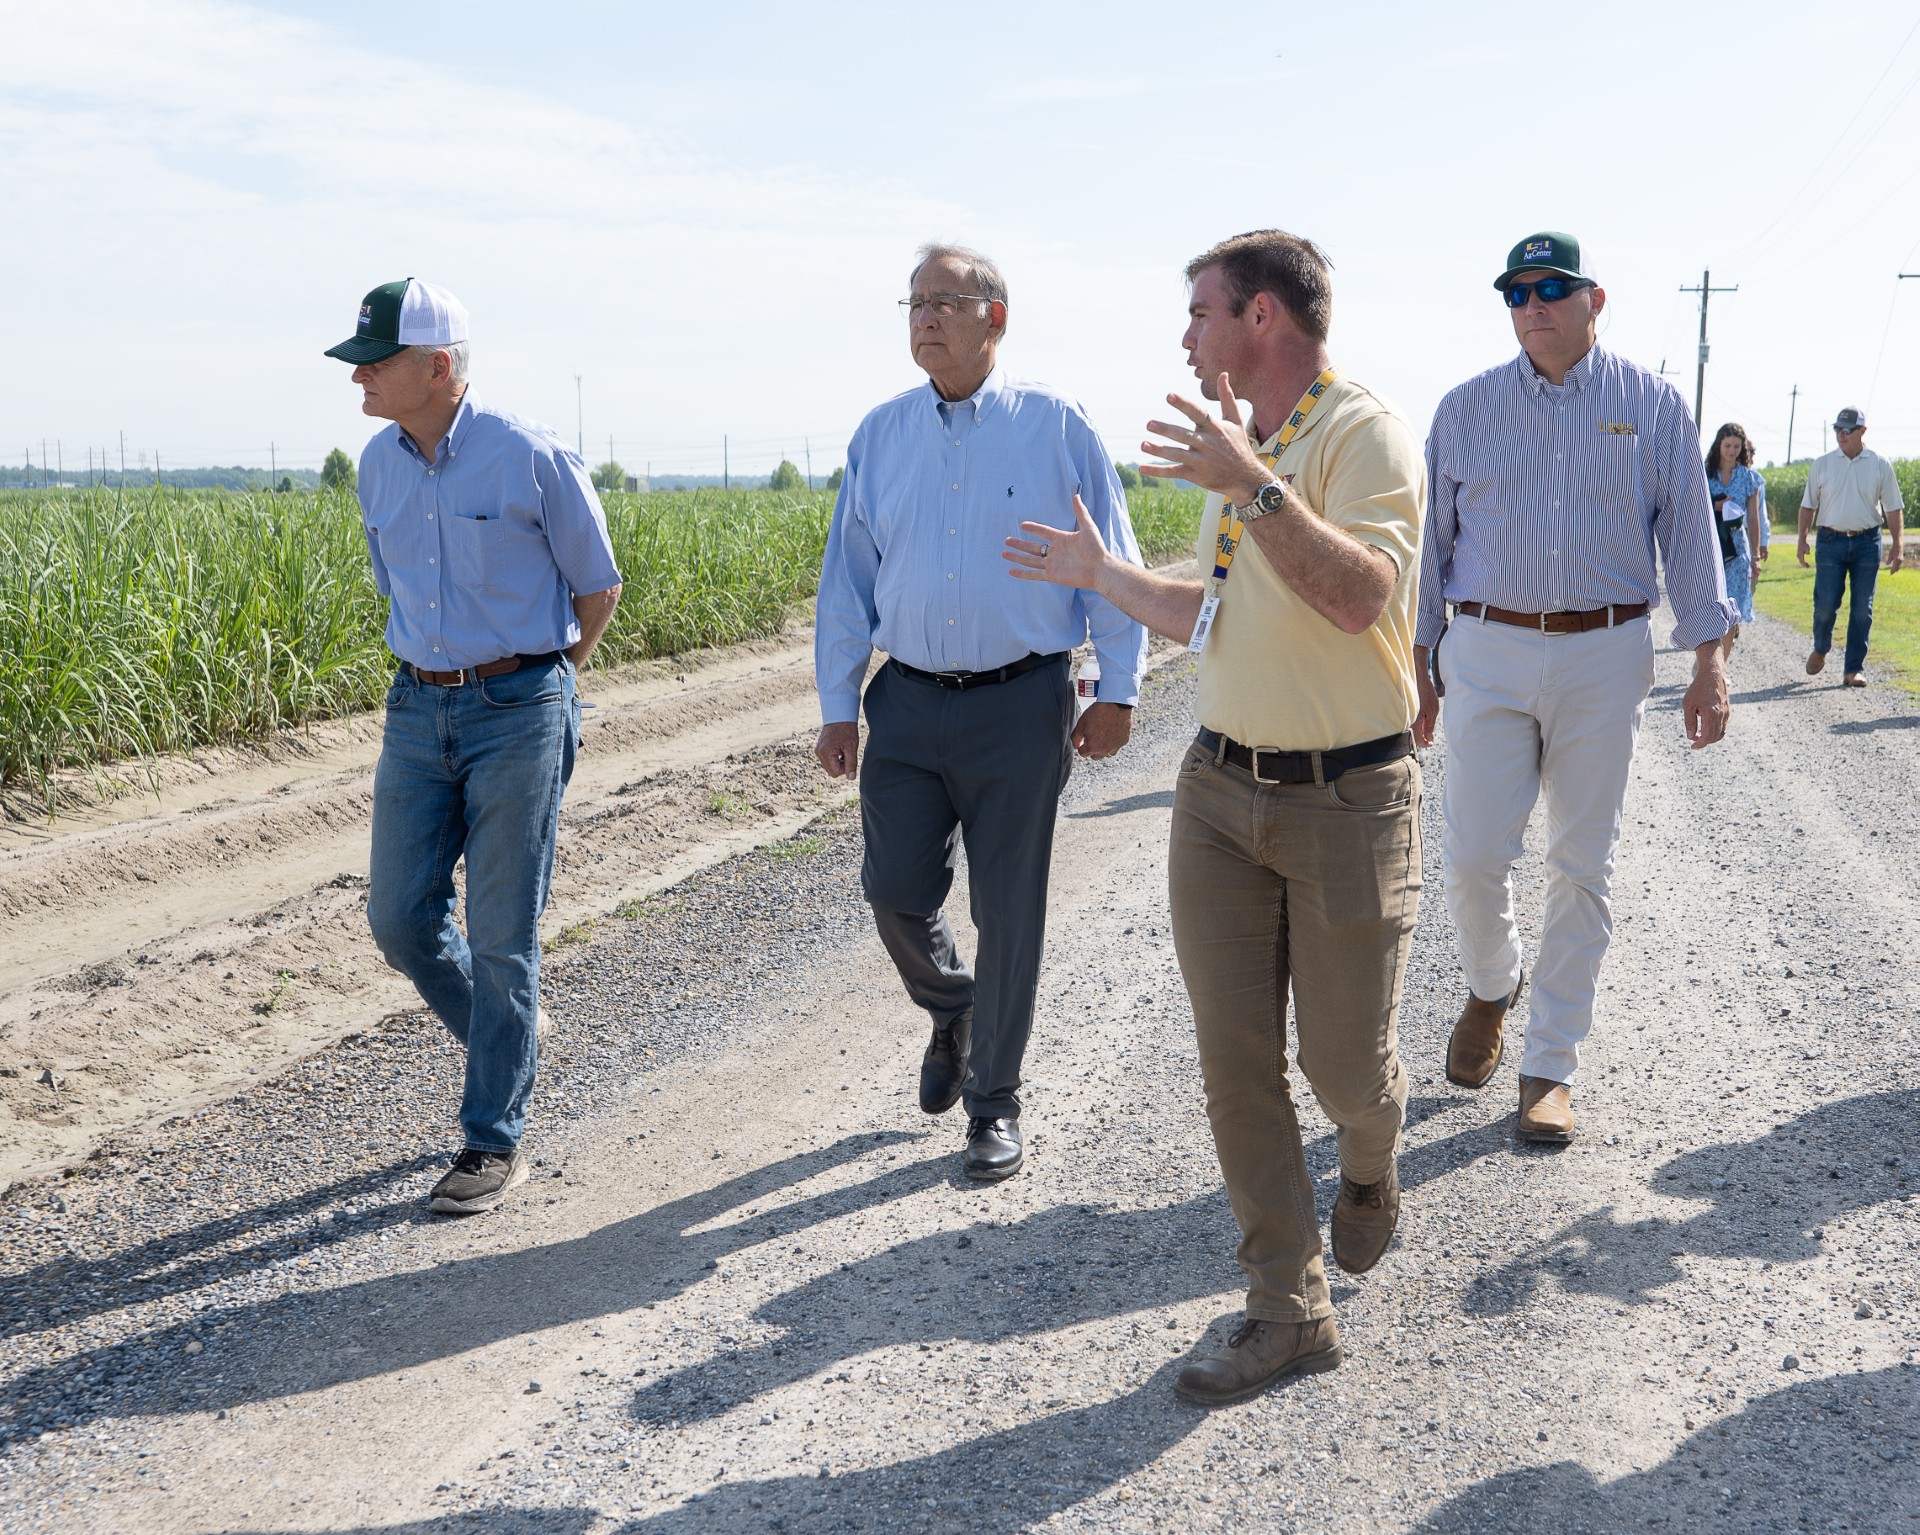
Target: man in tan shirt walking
1294	862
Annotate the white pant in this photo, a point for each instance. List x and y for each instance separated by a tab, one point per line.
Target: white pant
1524	709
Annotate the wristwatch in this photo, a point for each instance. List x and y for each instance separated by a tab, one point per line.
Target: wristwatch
1267	500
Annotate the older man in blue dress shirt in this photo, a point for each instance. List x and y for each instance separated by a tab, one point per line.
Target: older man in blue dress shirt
970	723
1554	479
487	536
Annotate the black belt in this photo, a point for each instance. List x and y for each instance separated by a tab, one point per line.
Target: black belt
961	681
486	669
1269	764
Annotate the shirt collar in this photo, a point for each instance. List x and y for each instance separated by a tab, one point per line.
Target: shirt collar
448	445
1579	376
1314	416
982	399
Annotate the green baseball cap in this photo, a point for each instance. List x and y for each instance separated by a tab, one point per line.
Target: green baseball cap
397	315
1547	251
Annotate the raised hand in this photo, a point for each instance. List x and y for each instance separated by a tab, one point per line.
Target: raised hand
1066	557
1214	454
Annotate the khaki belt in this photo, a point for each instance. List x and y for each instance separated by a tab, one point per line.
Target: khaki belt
476	673
1558	623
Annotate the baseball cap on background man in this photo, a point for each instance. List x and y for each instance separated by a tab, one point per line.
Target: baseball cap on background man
398	315
1547	251
1849	420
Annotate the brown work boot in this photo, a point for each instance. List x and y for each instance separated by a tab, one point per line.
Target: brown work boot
1257	1355
1816	662
1474	1051
1546	1111
1364	1217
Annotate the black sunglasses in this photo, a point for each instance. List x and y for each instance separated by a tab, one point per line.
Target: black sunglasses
1550	289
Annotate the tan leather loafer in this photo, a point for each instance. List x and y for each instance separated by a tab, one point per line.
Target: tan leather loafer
1854	680
1816	662
1474	1051
1257	1355
1546	1111
1364	1217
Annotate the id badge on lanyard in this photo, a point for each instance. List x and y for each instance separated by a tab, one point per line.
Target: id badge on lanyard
1233	528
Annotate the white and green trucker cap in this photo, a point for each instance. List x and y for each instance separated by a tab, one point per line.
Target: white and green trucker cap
398	315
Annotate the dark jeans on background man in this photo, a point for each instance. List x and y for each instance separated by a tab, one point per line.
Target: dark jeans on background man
983	767
475	769
1836	558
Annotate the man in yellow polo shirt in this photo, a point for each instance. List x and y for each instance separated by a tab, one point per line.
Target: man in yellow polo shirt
1295	852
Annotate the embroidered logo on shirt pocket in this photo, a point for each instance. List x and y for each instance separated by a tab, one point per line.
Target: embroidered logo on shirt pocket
1619	429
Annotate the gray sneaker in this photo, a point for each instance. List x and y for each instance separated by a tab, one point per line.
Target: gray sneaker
477	1181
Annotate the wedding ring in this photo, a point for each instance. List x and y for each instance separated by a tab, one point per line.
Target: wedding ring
1046	548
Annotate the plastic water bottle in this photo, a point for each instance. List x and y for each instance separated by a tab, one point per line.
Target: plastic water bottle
1086	685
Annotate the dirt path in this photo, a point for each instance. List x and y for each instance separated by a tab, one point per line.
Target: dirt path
747	1291
162	950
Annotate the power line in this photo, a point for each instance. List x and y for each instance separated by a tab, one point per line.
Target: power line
1754	244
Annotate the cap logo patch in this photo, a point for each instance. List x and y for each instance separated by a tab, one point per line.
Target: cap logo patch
1537	250
366	314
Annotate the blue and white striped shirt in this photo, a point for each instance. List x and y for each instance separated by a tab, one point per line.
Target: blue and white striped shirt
1551	499
913	562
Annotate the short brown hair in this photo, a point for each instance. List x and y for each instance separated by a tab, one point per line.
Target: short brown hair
1272	261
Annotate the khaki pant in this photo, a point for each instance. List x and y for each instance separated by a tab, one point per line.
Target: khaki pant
1314	886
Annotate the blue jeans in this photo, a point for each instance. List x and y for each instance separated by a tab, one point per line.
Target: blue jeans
477	770
1836	557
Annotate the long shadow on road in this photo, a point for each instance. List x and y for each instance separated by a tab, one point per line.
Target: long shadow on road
1858	1469
312	1341
1766	1199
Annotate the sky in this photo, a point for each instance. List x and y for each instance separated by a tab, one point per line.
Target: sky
674	225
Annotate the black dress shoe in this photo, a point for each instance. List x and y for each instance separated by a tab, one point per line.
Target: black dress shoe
943	1070
993	1149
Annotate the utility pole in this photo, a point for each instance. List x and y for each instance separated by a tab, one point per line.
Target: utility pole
726	465
123	465
609	447
273	467
1700	380
807	443
1793	407
60	462
579	419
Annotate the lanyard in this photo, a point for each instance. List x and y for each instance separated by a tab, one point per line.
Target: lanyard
1232	526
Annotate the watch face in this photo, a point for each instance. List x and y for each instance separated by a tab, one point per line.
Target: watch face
1271	498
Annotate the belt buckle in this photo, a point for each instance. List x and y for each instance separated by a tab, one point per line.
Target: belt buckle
1253	756
1543	622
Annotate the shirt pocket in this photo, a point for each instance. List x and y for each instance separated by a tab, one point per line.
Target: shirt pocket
492	554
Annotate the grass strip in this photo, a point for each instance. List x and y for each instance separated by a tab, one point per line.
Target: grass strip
1785	592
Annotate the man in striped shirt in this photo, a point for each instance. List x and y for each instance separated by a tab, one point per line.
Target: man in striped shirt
1553	479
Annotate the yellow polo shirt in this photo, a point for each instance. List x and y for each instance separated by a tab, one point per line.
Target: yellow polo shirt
1275	673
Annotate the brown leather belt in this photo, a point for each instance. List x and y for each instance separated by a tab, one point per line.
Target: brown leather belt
1557	623
478	673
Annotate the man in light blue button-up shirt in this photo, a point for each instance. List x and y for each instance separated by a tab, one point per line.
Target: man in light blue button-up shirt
971	727
489	541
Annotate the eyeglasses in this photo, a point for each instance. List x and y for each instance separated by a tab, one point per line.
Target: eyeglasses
1550	289
946	305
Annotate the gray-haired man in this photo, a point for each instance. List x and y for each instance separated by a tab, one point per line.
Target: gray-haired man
970	723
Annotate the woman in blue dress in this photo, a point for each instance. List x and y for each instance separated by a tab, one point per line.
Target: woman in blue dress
1736	516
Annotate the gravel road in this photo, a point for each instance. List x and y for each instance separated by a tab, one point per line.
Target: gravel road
748	1291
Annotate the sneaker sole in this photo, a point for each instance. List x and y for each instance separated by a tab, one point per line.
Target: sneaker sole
1306	1364
485	1202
